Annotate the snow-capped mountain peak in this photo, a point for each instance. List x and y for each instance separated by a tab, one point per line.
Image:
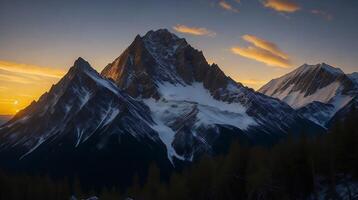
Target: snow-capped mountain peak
312	84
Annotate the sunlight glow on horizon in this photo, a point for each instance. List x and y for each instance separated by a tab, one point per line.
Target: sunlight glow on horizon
20	84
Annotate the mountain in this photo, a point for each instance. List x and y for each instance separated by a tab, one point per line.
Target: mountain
315	91
4	119
84	120
195	100
159	101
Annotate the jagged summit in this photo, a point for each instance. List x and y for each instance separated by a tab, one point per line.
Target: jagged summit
164	34
81	65
162	57
81	62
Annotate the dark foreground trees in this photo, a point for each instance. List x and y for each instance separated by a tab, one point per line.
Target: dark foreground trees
296	168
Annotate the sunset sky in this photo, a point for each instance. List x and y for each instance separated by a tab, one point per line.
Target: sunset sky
253	41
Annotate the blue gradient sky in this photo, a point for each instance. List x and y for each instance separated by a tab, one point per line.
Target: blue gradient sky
53	34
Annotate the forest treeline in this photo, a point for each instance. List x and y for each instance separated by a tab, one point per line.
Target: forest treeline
295	168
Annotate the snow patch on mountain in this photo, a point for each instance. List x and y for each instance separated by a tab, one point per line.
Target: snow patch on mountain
193	102
298	99
197	93
161	116
208	115
166	113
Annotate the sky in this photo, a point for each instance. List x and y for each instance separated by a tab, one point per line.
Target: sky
253	41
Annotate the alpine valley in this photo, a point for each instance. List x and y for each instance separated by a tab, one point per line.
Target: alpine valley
160	101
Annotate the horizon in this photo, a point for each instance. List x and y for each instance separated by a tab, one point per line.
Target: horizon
251	41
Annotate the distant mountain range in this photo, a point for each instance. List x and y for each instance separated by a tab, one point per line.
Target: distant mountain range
317	92
160	101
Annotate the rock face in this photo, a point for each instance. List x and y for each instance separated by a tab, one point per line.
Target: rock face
309	87
160	57
160	101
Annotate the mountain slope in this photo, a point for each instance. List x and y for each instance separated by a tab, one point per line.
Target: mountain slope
310	86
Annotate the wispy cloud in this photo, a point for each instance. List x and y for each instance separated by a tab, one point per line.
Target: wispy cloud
14	78
322	14
266	45
286	6
31	69
198	31
27	74
227	6
263	51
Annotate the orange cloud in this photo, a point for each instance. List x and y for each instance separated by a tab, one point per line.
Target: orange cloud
266	45
282	5
263	51
225	5
193	30
322	13
31	69
14	78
